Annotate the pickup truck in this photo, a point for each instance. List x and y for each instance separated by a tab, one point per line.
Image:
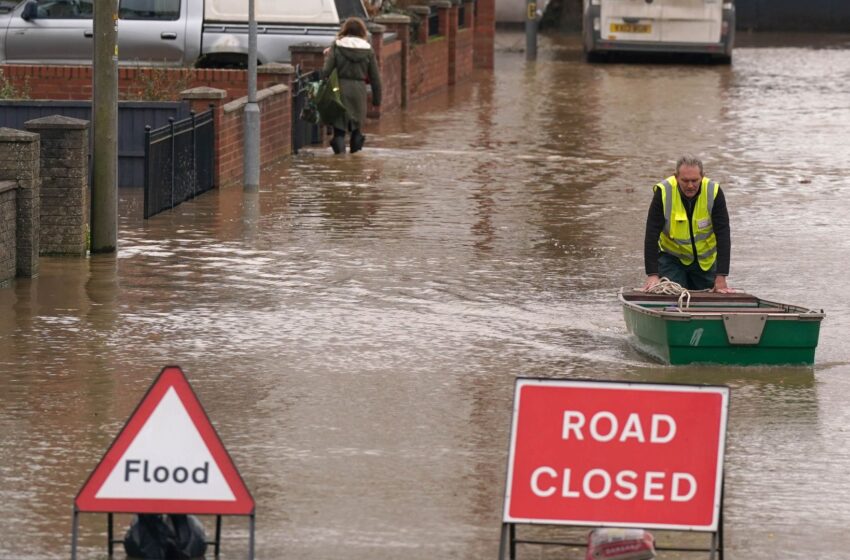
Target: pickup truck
200	33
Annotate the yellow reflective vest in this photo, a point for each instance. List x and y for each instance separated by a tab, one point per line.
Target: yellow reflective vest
675	238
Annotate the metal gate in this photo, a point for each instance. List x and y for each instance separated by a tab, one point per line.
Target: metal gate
304	133
179	160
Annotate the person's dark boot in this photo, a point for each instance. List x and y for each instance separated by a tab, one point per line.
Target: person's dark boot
357	141
338	144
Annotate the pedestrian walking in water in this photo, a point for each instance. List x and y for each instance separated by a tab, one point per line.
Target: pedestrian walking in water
687	231
354	60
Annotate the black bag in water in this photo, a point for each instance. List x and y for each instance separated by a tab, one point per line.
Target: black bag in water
190	541
171	537
148	537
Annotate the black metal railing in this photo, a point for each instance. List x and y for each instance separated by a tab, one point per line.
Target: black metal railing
433	23
304	132
179	160
461	16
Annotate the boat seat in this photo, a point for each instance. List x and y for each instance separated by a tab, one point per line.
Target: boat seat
697	309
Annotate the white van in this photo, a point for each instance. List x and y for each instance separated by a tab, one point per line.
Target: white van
660	26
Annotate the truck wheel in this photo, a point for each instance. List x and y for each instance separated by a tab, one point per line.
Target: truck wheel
231	61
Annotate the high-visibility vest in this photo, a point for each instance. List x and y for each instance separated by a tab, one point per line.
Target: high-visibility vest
675	239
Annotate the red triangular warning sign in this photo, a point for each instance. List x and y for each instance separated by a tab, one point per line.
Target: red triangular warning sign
167	459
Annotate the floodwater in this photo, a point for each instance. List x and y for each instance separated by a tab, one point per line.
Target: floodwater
355	329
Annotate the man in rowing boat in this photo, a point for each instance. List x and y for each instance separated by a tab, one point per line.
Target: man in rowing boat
687	231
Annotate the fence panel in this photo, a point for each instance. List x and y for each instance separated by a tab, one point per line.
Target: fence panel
133	116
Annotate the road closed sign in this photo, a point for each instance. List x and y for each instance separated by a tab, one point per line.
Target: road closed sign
167	459
616	454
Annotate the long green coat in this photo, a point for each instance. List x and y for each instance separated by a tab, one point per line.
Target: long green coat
354	61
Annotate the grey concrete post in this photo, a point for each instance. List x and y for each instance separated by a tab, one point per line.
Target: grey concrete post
251	159
64	184
19	156
104	204
531	30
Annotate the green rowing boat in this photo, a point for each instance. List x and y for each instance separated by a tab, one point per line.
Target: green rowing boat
734	329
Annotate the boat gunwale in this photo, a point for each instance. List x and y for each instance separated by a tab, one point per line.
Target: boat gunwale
793	313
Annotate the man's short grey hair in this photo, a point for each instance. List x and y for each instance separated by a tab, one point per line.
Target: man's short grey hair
689	160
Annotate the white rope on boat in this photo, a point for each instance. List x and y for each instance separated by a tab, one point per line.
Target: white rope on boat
668	287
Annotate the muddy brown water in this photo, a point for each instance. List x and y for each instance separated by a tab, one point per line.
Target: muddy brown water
354	330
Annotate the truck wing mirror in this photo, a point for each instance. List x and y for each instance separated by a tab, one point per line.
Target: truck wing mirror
30	11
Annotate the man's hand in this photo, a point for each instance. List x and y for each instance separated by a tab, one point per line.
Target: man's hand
651	281
720	286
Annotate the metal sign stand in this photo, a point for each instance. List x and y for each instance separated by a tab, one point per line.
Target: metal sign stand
508	540
111	541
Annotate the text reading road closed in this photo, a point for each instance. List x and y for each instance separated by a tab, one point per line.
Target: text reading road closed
615	453
598	483
161	474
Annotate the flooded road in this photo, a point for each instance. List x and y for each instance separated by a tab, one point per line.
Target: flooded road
354	330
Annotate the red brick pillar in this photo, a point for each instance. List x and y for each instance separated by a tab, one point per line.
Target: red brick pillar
309	56
377	32
452	38
274	73
202	99
400	25
421	13
485	33
468	14
443	15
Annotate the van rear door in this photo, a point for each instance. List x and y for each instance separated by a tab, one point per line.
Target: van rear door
667	21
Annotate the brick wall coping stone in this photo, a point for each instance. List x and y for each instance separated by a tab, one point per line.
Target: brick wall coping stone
384	19
240	103
276	68
56	122
376	27
308	47
203	92
440	3
8	186
419	10
14	135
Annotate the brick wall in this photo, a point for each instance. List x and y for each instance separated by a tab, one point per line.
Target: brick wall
7	231
275	132
428	67
391	79
19	162
307	56
164	84
464	59
485	33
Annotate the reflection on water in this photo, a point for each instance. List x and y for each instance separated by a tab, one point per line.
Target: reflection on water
354	329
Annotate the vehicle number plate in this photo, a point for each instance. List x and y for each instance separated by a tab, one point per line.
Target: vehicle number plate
631	28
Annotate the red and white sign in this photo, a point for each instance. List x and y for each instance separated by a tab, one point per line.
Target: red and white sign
167	459
616	454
